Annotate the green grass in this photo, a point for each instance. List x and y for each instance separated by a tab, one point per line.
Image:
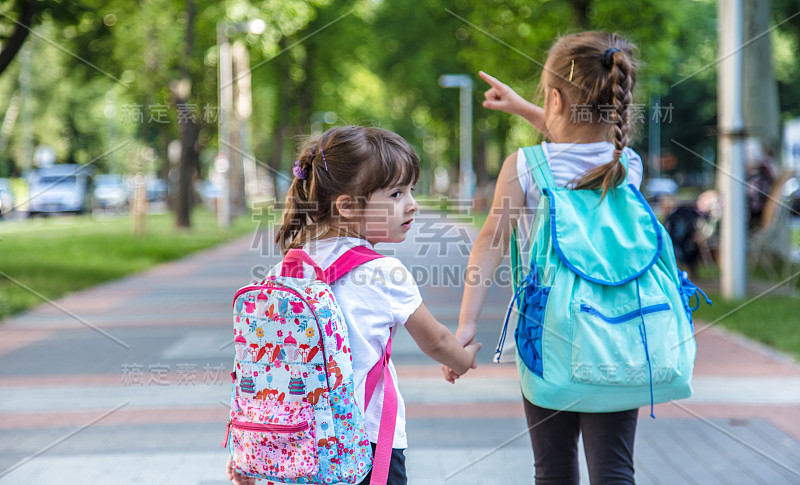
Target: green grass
59	255
772	320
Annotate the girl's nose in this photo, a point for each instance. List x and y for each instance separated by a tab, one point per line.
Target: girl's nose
414	205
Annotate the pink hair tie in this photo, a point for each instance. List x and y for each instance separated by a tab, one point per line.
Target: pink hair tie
617	154
299	172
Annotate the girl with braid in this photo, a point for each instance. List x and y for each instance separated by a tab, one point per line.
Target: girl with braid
588	82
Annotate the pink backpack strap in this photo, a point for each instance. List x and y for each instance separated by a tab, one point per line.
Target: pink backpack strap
293	264
351	259
383	450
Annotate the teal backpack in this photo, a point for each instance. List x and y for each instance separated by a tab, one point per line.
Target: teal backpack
605	319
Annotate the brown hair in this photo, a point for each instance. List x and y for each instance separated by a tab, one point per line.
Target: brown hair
600	78
346	160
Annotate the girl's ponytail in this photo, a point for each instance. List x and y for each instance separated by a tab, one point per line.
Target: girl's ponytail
622	80
296	212
598	70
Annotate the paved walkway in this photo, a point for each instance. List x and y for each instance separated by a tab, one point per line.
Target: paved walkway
126	383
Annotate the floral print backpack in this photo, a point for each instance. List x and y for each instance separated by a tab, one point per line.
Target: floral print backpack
293	415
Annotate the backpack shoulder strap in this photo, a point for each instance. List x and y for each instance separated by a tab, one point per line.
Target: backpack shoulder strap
540	170
351	259
383	449
625	164
348	261
293	264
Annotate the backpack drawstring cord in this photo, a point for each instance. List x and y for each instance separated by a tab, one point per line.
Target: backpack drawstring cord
643	333
689	290
528	281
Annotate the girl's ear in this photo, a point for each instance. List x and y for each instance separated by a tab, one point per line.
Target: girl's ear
346	207
557	100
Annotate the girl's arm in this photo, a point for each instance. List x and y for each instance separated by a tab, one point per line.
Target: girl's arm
500	97
490	247
436	341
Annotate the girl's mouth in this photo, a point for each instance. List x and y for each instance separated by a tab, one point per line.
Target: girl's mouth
407	224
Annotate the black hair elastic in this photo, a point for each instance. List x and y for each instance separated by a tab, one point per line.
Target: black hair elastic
608	57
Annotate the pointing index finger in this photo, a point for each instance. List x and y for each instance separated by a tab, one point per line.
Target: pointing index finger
490	79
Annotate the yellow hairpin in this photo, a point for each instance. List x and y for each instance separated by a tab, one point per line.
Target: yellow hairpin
571	70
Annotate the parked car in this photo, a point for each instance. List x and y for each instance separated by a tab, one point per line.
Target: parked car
156	190
110	192
6	198
210	193
659	187
61	188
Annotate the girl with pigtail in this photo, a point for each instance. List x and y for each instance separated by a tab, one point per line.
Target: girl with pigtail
352	190
587	81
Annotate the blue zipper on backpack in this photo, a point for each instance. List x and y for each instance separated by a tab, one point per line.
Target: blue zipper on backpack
661	307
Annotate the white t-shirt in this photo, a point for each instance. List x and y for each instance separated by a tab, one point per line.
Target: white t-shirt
375	298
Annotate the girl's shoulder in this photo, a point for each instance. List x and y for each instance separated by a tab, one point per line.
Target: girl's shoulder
386	274
383	288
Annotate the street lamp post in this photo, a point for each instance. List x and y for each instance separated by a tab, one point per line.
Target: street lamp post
466	176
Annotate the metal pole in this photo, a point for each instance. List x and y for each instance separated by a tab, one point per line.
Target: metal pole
730	177
655	136
467	182
466	178
223	114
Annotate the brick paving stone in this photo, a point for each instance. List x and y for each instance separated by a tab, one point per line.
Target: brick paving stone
175	320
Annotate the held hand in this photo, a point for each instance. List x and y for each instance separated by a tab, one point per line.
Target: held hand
465	334
500	97
473	349
235	477
450	375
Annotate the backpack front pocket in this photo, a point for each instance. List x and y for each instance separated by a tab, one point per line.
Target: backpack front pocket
272	439
621	346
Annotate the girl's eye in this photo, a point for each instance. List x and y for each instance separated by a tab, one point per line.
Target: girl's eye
396	194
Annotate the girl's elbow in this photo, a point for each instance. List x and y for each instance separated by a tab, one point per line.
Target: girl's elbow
437	346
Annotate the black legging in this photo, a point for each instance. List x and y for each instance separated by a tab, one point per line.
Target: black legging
607	439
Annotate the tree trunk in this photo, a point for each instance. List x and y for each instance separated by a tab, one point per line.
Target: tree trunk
14	43
304	91
582	13
281	129
760	89
189	156
761	108
189	130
